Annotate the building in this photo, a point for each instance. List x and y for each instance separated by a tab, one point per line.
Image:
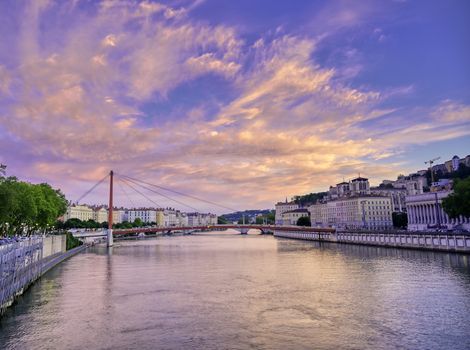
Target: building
119	215
360	186
100	215
181	218
442	185
291	217
397	196
199	219
147	215
81	212
439	168
281	208
193	219
425	212
169	218
359	212
465	161
160	217
453	164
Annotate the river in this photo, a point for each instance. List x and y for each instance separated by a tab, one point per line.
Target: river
228	291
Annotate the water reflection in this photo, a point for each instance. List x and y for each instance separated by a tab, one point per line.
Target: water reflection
454	260
213	291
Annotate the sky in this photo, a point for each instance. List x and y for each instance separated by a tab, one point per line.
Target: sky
242	103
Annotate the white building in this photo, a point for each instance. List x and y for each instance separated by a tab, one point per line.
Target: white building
118	215
370	212
292	216
100	215
145	214
181	218
413	183
169	217
397	195
200	219
422	213
281	208
193	219
81	212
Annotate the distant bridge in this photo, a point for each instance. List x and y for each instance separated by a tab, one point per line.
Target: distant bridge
132	182
243	229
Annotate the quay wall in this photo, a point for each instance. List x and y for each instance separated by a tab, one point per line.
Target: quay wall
426	241
23	262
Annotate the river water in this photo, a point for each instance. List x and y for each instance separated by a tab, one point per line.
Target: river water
227	291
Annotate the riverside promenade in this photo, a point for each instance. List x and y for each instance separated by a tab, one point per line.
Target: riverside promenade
25	259
437	241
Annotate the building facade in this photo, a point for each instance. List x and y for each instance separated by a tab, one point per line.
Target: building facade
147	215
100	215
169	217
292	216
425	212
397	196
360	212
360	186
81	212
281	208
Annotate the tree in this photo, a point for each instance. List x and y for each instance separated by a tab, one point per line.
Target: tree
137	222
221	220
260	220
400	220
458	203
304	221
26	207
309	198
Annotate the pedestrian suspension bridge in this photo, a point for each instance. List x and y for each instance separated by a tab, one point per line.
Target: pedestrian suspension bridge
138	186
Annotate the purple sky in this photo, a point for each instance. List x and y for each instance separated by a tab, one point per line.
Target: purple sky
240	102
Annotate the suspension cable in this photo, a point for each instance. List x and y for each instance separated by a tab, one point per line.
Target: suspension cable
159	193
143	195
125	192
180	193
91	189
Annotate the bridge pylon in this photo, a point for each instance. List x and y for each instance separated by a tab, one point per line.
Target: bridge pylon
110	211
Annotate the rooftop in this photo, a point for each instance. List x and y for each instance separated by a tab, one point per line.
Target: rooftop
300	210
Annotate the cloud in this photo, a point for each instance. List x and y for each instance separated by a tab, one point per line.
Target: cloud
279	124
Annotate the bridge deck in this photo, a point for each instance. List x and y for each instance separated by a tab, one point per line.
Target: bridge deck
217	227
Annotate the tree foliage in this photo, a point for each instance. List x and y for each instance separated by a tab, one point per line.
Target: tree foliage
71	242
26	207
400	220
458	203
221	220
310	198
304	221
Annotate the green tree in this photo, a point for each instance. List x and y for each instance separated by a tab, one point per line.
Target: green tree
18	208
458	203
309	198
221	220
260	220
137	223
400	220
271	217
304	221
26	207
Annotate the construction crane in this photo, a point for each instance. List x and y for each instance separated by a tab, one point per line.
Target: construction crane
431	162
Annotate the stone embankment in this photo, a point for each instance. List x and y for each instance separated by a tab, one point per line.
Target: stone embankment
24	260
413	240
